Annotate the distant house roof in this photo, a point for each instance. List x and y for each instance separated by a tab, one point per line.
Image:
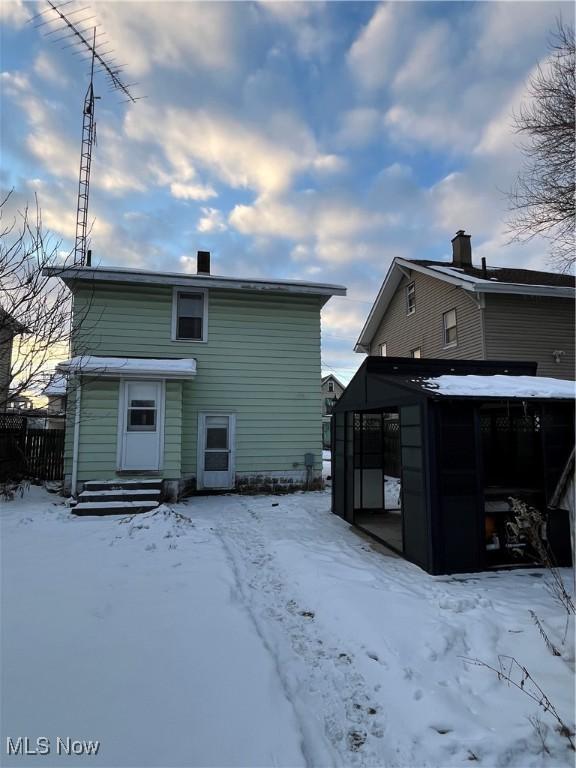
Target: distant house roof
57	386
331	376
123	275
506	280
7	321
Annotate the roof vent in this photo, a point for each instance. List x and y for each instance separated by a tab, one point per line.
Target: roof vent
203	263
461	250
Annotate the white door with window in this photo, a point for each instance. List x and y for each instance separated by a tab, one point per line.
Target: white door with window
216	433
141	423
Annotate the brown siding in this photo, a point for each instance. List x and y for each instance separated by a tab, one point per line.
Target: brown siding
424	328
5	360
531	328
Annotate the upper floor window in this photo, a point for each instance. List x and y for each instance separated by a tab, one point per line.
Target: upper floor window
330	386
450	328
382	348
410	299
417	352
189	316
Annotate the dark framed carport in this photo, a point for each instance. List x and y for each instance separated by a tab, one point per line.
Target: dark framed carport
438	491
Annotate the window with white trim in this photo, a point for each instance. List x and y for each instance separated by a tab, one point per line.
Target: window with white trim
190	316
450	328
382	347
410	298
330	386
416	352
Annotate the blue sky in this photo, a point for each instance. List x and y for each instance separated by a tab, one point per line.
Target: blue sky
292	140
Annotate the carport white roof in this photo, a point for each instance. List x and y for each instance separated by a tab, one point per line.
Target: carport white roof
175	368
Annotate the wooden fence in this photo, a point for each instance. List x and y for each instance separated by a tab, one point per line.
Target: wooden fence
33	453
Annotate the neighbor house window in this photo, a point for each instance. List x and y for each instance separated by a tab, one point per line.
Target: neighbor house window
410	299
330	386
383	352
417	352
450	331
189	321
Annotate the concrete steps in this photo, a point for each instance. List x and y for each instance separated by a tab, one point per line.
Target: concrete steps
118	497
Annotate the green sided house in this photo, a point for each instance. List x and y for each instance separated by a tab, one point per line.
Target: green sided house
198	381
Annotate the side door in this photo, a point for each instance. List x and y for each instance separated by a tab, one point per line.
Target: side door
216	451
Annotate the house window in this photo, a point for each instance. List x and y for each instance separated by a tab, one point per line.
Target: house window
450	331
417	352
383	349
189	316
410	299
142	416
330	386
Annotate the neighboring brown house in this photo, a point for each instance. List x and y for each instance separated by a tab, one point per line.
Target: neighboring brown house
8	329
454	309
331	388
56	392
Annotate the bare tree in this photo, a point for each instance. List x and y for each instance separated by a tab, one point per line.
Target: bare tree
543	198
35	310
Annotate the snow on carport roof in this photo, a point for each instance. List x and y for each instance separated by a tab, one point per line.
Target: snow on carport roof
498	385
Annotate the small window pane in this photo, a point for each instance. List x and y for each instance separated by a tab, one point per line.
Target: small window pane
216	461
383	351
217	437
416	352
410	298
141	420
450	332
190	304
189	327
142	404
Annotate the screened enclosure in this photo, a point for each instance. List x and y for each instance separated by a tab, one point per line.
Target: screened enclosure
431	475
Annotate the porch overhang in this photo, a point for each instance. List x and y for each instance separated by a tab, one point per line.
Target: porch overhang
129	367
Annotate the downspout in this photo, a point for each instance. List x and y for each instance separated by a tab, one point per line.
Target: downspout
76	437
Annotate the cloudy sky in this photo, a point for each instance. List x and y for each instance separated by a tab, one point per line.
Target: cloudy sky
292	140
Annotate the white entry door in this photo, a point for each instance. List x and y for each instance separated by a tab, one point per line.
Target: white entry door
142	425
216	451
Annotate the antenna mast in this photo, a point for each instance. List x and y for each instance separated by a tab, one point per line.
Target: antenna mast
77	34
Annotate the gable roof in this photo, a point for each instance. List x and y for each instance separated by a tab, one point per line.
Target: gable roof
71	275
504	280
334	378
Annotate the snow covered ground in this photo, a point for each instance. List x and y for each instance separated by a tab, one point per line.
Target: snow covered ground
262	631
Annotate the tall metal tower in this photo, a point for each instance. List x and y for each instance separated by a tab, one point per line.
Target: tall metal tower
77	32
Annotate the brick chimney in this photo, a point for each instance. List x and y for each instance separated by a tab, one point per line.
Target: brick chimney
203	263
461	250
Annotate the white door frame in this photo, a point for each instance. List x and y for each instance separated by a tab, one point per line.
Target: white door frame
122	413
201	443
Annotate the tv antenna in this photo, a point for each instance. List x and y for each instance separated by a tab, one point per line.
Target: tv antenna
83	38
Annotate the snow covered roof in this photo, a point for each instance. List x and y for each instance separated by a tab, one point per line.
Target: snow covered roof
173	368
497	280
57	386
125	275
500	386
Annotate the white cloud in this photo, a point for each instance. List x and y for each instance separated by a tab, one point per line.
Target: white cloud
13	13
263	158
191	191
211	221
358	126
185	36
372	55
46	67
